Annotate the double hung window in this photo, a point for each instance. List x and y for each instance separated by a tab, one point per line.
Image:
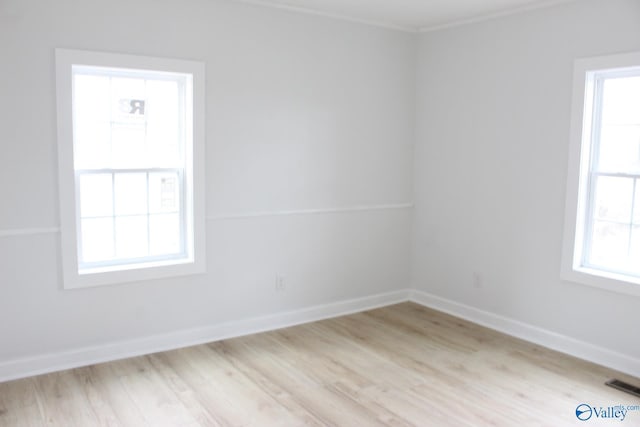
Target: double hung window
603	210
130	150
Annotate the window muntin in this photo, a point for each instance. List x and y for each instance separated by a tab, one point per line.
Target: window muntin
131	167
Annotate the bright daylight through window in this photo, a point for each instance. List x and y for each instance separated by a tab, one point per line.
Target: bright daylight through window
129	178
603	237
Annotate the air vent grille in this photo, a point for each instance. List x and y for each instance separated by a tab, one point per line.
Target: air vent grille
622	386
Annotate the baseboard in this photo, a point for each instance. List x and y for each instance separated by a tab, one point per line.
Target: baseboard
27	367
571	346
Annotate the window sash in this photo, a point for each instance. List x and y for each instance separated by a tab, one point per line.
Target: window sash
181	79
182	253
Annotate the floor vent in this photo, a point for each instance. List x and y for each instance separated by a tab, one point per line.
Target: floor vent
622	386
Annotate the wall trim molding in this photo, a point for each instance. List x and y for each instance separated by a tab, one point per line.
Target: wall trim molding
10	232
335	16
319	211
47	363
408	28
517	10
533	334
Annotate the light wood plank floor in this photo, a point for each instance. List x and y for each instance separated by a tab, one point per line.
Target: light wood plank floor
399	366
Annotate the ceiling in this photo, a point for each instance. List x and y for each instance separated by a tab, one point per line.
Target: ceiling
411	15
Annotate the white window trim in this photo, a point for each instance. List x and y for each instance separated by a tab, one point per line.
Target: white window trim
577	184
65	58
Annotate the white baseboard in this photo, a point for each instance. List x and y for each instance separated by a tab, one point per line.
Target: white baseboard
533	334
27	367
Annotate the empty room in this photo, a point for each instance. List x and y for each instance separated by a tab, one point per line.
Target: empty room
319	212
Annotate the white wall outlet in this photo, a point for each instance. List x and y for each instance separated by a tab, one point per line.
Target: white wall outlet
280	283
477	280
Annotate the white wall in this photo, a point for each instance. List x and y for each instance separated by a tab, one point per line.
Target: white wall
303	112
491	162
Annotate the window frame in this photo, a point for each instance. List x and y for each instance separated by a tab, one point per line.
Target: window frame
195	260
579	186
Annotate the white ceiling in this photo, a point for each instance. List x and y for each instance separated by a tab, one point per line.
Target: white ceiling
411	15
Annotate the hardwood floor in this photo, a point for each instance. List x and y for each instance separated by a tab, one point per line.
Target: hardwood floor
399	366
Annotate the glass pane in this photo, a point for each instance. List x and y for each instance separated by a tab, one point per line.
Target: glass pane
165	234
92	129
621	101
609	245
164	193
128	112
613	199
96	154
131	236
96	197
97	239
128	146
91	97
130	194
619	149
128	100
163	123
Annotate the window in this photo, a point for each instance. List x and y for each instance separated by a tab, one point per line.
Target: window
602	236
130	138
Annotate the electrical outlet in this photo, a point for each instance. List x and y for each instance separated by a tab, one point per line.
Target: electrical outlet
477	280
280	284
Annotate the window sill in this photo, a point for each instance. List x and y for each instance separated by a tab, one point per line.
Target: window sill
133	273
619	283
